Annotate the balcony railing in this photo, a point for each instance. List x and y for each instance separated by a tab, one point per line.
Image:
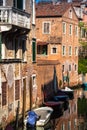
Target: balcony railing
14	16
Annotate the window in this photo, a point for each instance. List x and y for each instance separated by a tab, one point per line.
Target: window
16	46
70	13
63	50
18	4
24	50
70	50
75	67
4	93
63	127
69	67
63	68
76	51
17	89
54	50
70	29
75	123
34	50
33	11
69	125
34	80
83	33
76	31
75	107
42	50
1	2
46	27
64	27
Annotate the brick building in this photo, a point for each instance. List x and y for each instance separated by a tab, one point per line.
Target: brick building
57	44
17	57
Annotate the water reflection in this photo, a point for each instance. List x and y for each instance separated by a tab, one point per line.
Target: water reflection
74	118
70	119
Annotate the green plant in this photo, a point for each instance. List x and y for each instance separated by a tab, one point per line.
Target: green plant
82	66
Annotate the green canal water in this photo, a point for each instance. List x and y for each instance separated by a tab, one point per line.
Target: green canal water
74	118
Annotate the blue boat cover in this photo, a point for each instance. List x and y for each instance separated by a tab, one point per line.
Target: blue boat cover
32	118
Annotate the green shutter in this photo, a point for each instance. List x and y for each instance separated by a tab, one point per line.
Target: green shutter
33	51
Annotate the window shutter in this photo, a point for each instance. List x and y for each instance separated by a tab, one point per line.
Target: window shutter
34	51
17	89
4	93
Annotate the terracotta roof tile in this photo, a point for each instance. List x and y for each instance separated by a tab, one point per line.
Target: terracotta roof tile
50	9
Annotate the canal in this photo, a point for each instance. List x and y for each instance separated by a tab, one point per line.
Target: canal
73	118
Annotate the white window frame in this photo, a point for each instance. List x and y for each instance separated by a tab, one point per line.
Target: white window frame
64	27
43	28
76	30
34	80
70	50
24	4
69	125
76	51
75	123
3	51
70	29
4	2
63	126
63	50
52	50
33	13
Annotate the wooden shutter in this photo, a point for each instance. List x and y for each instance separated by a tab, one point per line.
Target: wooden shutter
17	89
4	93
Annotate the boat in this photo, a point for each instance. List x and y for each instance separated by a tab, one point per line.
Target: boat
44	113
40	117
68	92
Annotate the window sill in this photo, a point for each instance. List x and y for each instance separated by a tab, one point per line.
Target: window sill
12	61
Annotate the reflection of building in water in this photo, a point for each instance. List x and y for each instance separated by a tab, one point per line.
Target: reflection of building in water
69	119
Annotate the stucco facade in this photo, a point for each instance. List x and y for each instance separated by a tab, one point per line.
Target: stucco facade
17	58
59	39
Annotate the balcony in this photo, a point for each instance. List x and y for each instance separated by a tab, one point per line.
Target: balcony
11	16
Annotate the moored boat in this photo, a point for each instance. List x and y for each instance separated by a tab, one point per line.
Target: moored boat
68	92
39	117
44	113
